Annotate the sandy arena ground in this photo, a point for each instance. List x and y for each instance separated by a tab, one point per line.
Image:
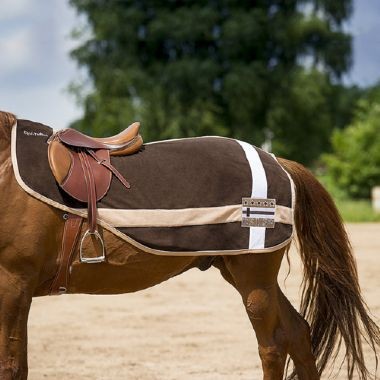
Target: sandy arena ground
191	327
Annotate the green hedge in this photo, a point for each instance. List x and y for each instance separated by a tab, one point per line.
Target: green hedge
354	164
352	210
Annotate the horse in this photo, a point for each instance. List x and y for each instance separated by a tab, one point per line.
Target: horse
332	311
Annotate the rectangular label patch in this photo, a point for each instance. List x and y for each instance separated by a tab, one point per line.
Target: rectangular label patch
258	212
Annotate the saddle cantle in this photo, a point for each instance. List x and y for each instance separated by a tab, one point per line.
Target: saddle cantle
82	168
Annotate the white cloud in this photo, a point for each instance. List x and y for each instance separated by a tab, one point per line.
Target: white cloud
14	8
34	62
16	50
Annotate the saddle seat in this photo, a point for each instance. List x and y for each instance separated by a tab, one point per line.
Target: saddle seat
82	168
61	145
129	139
126	142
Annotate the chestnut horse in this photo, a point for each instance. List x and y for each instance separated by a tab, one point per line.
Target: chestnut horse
30	239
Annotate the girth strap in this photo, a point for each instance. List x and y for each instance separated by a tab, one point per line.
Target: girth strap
71	233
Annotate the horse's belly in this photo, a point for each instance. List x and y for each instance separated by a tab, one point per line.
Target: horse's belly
127	270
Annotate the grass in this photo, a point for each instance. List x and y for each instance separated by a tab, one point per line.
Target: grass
352	210
357	211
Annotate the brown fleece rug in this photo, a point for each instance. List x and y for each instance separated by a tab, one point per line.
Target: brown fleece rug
198	175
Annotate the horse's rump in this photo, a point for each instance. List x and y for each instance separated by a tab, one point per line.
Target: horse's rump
185	196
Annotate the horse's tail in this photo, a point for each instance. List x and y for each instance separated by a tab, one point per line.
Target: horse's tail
331	299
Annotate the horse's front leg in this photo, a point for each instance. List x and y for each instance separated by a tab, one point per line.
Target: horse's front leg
15	302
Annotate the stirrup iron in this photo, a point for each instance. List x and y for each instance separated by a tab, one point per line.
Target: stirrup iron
92	260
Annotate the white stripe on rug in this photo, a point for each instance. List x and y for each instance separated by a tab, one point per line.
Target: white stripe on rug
259	190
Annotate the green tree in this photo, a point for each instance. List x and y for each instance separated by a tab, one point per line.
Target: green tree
226	67
354	164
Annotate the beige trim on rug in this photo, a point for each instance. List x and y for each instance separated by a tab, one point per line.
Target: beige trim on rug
182	217
170	218
282	215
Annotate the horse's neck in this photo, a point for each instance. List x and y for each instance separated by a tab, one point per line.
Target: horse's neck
7	120
5	158
10	191
5	141
5	154
8	186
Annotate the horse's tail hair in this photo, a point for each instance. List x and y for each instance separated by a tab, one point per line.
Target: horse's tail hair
331	298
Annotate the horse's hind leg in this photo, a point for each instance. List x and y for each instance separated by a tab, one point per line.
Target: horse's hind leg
255	277
280	330
298	336
14	310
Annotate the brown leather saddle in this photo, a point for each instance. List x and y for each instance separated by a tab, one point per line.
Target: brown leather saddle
82	168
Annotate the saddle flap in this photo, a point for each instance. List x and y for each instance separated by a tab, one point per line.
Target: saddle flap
67	169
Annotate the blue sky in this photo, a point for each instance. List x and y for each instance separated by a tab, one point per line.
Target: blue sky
35	68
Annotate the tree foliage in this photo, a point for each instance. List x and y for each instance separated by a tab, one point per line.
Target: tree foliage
354	163
225	67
